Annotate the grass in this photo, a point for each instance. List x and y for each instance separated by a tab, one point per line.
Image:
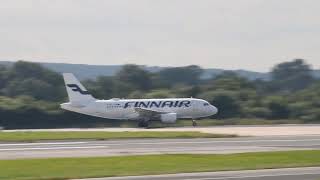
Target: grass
99	135
67	168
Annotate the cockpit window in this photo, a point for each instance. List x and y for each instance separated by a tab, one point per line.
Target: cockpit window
206	104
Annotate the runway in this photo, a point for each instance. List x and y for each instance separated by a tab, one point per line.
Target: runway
156	146
269	174
241	130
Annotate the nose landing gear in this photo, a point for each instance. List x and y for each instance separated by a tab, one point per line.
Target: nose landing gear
194	123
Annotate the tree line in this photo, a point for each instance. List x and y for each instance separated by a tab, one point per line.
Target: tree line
30	94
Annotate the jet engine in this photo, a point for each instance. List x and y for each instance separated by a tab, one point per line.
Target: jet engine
168	118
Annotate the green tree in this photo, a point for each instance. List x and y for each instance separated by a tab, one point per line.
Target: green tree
23	70
103	87
229	81
291	76
184	75
136	95
135	76
226	101
160	93
182	90
278	107
25	78
3	76
32	87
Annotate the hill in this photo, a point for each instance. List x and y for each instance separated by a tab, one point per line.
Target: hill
85	71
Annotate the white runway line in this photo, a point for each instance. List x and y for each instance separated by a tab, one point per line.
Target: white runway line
256	176
217	141
48	143
53	148
164	143
220	175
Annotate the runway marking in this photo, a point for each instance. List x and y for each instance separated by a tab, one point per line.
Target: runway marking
257	176
52	148
160	143
202	142
48	143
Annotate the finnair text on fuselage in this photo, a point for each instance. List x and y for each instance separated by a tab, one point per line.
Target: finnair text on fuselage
157	104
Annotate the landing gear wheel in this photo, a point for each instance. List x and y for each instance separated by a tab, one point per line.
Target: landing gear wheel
144	124
194	123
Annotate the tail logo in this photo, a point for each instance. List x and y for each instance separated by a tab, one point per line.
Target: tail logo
76	88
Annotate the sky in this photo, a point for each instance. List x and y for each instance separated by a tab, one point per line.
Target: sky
229	34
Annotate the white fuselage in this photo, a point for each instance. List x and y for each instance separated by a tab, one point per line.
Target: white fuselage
125	108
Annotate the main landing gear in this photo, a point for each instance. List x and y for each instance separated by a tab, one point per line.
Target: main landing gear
144	124
194	123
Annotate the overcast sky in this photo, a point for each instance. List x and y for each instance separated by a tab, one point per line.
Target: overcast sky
229	34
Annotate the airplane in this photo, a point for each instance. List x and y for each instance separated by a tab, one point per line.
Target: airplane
166	110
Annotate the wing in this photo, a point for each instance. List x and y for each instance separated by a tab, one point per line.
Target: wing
147	113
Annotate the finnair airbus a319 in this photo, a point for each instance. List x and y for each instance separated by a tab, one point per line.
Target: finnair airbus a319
166	110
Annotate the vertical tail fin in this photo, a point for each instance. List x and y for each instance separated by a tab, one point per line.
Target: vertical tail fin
78	95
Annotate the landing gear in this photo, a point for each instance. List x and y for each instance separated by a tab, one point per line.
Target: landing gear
194	123
144	124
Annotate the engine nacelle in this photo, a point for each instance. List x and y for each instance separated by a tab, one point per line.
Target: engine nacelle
168	118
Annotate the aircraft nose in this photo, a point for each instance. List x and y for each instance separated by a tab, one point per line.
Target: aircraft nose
214	110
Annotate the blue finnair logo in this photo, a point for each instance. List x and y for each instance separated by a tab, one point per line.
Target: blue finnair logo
76	88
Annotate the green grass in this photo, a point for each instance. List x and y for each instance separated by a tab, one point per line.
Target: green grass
66	168
36	136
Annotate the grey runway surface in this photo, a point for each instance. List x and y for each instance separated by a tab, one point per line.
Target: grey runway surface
269	174
156	146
